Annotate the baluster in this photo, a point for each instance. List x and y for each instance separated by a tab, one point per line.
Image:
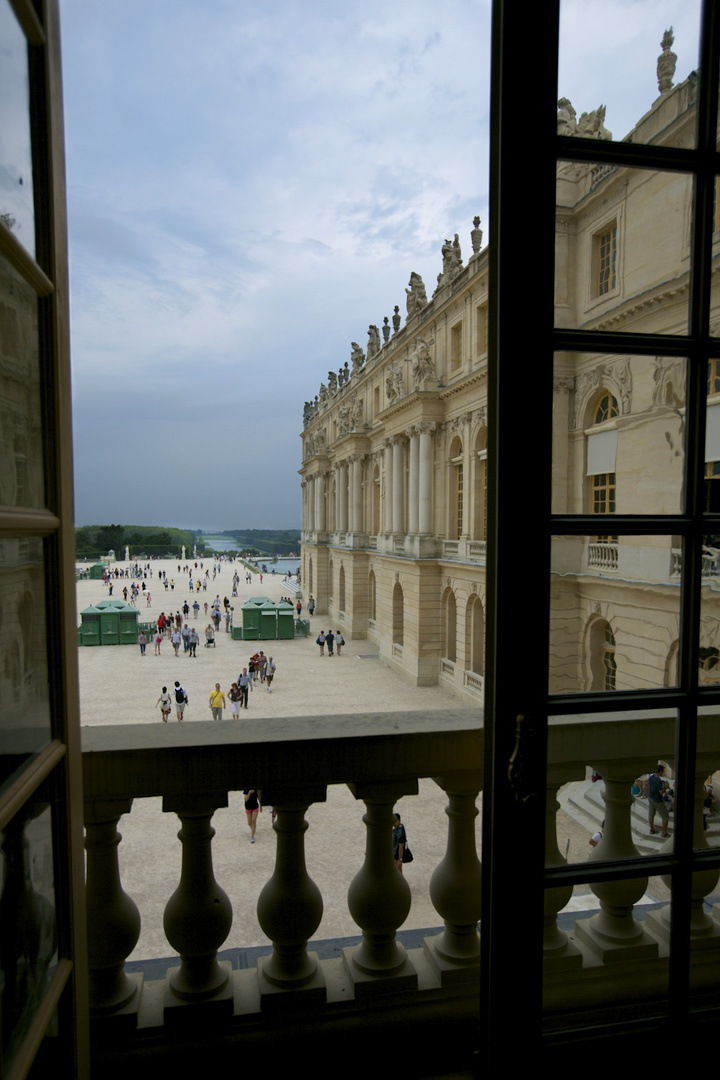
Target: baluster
614	932
198	915
113	918
455	886
379	901
290	905
557	948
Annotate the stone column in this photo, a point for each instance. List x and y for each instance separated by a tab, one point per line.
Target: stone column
379	900
357	493
198	915
557	947
425	522
398	522
290	906
387	523
413	480
113	919
455	886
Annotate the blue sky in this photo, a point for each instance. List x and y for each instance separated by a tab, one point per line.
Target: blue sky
249	187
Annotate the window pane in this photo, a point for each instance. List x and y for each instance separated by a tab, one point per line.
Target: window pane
622	249
594	948
16	176
618	434
21	427
614	612
24	703
618	71
28	934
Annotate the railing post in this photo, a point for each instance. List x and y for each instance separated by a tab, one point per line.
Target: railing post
112	916
455	886
198	915
379	899
614	933
290	906
557	947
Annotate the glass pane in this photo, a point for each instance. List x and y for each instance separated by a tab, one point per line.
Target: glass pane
21	426
597	939
610	785
618	434
24	701
614	612
709	653
619	71
16	177
622	249
28	932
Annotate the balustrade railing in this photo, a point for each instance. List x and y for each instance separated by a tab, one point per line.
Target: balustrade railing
379	758
602	557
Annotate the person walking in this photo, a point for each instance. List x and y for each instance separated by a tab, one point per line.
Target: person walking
142	642
165	703
181	700
176	639
193	641
245	686
311	605
234	697
158	642
270	668
399	842
657	786
339	642
330	642
253	807
320	640
298	608
217	702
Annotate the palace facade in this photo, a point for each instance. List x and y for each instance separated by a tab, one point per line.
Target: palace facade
394	471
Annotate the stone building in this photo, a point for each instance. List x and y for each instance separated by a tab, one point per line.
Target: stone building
394	471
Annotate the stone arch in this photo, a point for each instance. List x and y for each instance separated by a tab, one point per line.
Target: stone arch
456	488
601	652
475	635
449	625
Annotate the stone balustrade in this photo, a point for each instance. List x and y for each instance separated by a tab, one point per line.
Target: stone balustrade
608	955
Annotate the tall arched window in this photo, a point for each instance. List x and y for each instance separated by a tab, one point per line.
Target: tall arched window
601	459
398	614
375	510
480	500
331	577
449	625
341	589
603	665
475	635
372	614
457	490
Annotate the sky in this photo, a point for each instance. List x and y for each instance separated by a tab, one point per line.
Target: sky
249	187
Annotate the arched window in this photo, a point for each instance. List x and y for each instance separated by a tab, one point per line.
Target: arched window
480	500
375	510
457	490
449	625
341	589
601	459
603	665
331	577
371	596
475	635
398	614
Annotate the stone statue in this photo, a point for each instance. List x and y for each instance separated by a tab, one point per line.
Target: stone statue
332	382
396	320
323	393
357	356
344	420
386	330
346	373
127	554
457	254
416	295
592	125
667	61
448	257
566	118
307	413
182	555
373	342
356	410
476	235
422	364
394	382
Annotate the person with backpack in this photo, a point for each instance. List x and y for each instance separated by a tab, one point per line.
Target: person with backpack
181	700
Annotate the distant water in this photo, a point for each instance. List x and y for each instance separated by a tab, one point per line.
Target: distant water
281	567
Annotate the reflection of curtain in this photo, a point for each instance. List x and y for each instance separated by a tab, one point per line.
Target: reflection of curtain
602	452
712	434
